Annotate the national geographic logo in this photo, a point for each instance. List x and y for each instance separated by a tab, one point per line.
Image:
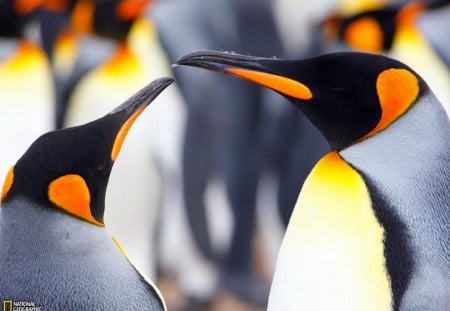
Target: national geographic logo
9	305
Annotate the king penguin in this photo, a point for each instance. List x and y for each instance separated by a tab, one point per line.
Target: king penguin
407	32
370	227
143	168
54	249
25	115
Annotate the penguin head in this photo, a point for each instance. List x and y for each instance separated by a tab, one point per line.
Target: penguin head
69	169
375	30
370	31
348	96
15	16
110	19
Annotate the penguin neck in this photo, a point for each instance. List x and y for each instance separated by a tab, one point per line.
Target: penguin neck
30	221
422	133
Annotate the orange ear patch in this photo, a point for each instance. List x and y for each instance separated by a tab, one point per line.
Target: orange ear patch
120	137
56	5
365	34
82	16
397	89
127	10
8	183
281	84
24	7
71	193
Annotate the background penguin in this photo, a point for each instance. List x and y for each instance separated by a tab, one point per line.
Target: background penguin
370	228
55	250
409	32
25	115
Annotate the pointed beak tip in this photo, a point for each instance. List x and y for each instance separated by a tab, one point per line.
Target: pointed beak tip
190	58
152	90
163	82
144	96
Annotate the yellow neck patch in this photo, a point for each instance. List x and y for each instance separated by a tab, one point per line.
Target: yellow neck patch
25	59
65	52
71	193
333	252
123	61
8	183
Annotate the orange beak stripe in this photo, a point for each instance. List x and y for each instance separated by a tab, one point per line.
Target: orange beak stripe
280	84
8	183
120	137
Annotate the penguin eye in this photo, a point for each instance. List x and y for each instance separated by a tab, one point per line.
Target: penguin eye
335	87
100	166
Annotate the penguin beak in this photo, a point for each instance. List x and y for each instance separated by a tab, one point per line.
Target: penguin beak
128	112
263	71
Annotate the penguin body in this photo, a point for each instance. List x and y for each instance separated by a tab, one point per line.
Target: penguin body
370	228
54	247
25	115
60	262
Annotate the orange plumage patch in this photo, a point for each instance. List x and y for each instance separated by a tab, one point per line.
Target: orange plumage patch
71	193
56	5
24	7
408	14
397	89
8	183
365	34
82	16
120	137
25	56
123	60
281	84
130	9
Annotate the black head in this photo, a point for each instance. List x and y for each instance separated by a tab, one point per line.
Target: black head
348	96
370	31
375	30
15	15
110	19
70	168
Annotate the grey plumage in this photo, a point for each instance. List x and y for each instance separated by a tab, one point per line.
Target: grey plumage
63	263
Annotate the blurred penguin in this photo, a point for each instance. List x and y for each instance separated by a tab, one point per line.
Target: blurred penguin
25	115
411	33
221	138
